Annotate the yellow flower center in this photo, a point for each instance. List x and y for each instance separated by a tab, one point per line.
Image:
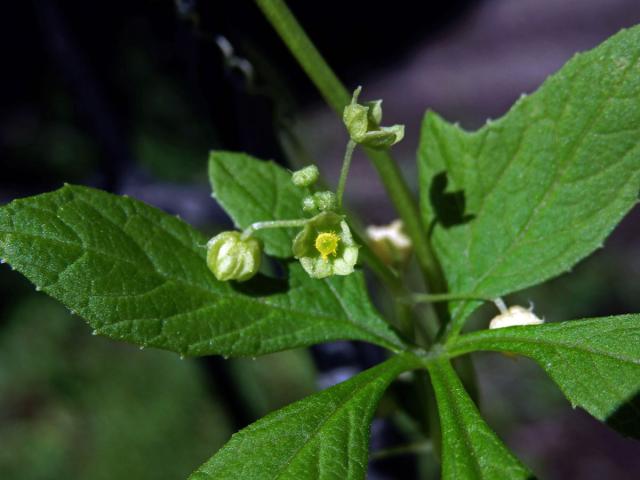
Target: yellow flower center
327	244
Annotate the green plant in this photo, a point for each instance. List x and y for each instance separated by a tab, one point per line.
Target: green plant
514	204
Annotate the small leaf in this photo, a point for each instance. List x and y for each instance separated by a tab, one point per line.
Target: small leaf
527	196
595	362
470	449
325	436
139	275
252	190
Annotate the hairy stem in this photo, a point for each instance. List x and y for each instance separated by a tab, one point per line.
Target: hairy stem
299	222
344	172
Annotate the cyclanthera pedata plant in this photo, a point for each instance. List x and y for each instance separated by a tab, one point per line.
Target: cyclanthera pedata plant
511	205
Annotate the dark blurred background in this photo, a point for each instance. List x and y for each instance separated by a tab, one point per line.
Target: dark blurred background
130	97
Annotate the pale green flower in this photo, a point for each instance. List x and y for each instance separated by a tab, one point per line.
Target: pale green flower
325	246
363	124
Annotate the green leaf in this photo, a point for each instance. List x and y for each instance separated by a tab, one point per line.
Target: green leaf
527	196
470	449
252	190
139	275
595	362
325	436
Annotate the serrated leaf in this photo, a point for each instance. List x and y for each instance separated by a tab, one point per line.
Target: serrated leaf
325	436
252	190
470	449
527	196
139	275
595	362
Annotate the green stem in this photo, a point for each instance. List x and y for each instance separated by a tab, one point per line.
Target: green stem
424	446
299	222
444	297
283	21
337	96
344	172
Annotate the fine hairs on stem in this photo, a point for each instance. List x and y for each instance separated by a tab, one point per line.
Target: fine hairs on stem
247	232
344	172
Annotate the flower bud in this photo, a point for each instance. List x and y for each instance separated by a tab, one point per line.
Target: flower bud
306	176
515	316
230	257
320	202
309	204
363	124
325	201
325	246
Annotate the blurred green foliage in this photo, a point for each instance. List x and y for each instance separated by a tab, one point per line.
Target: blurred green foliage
78	406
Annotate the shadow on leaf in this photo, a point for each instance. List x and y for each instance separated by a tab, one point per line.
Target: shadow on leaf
449	207
626	418
261	286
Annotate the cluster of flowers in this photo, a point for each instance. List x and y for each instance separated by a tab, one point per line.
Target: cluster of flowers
324	246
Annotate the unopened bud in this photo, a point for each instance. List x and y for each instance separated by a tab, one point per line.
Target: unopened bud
231	257
320	202
309	204
325	201
306	176
515	316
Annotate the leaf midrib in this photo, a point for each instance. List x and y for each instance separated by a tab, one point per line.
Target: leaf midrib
478	344
457	419
391	368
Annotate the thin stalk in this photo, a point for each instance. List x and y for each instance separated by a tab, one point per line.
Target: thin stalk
299	222
337	96
344	172
424	446
444	297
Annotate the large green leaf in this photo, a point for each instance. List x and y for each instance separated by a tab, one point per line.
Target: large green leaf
325	436
139	275
252	190
527	196
595	362
470	449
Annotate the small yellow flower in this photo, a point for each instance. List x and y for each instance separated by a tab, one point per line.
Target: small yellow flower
325	246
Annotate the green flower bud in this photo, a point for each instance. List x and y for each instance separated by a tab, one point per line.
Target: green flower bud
309	204
363	124
325	200
320	202
325	246
230	257
306	176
